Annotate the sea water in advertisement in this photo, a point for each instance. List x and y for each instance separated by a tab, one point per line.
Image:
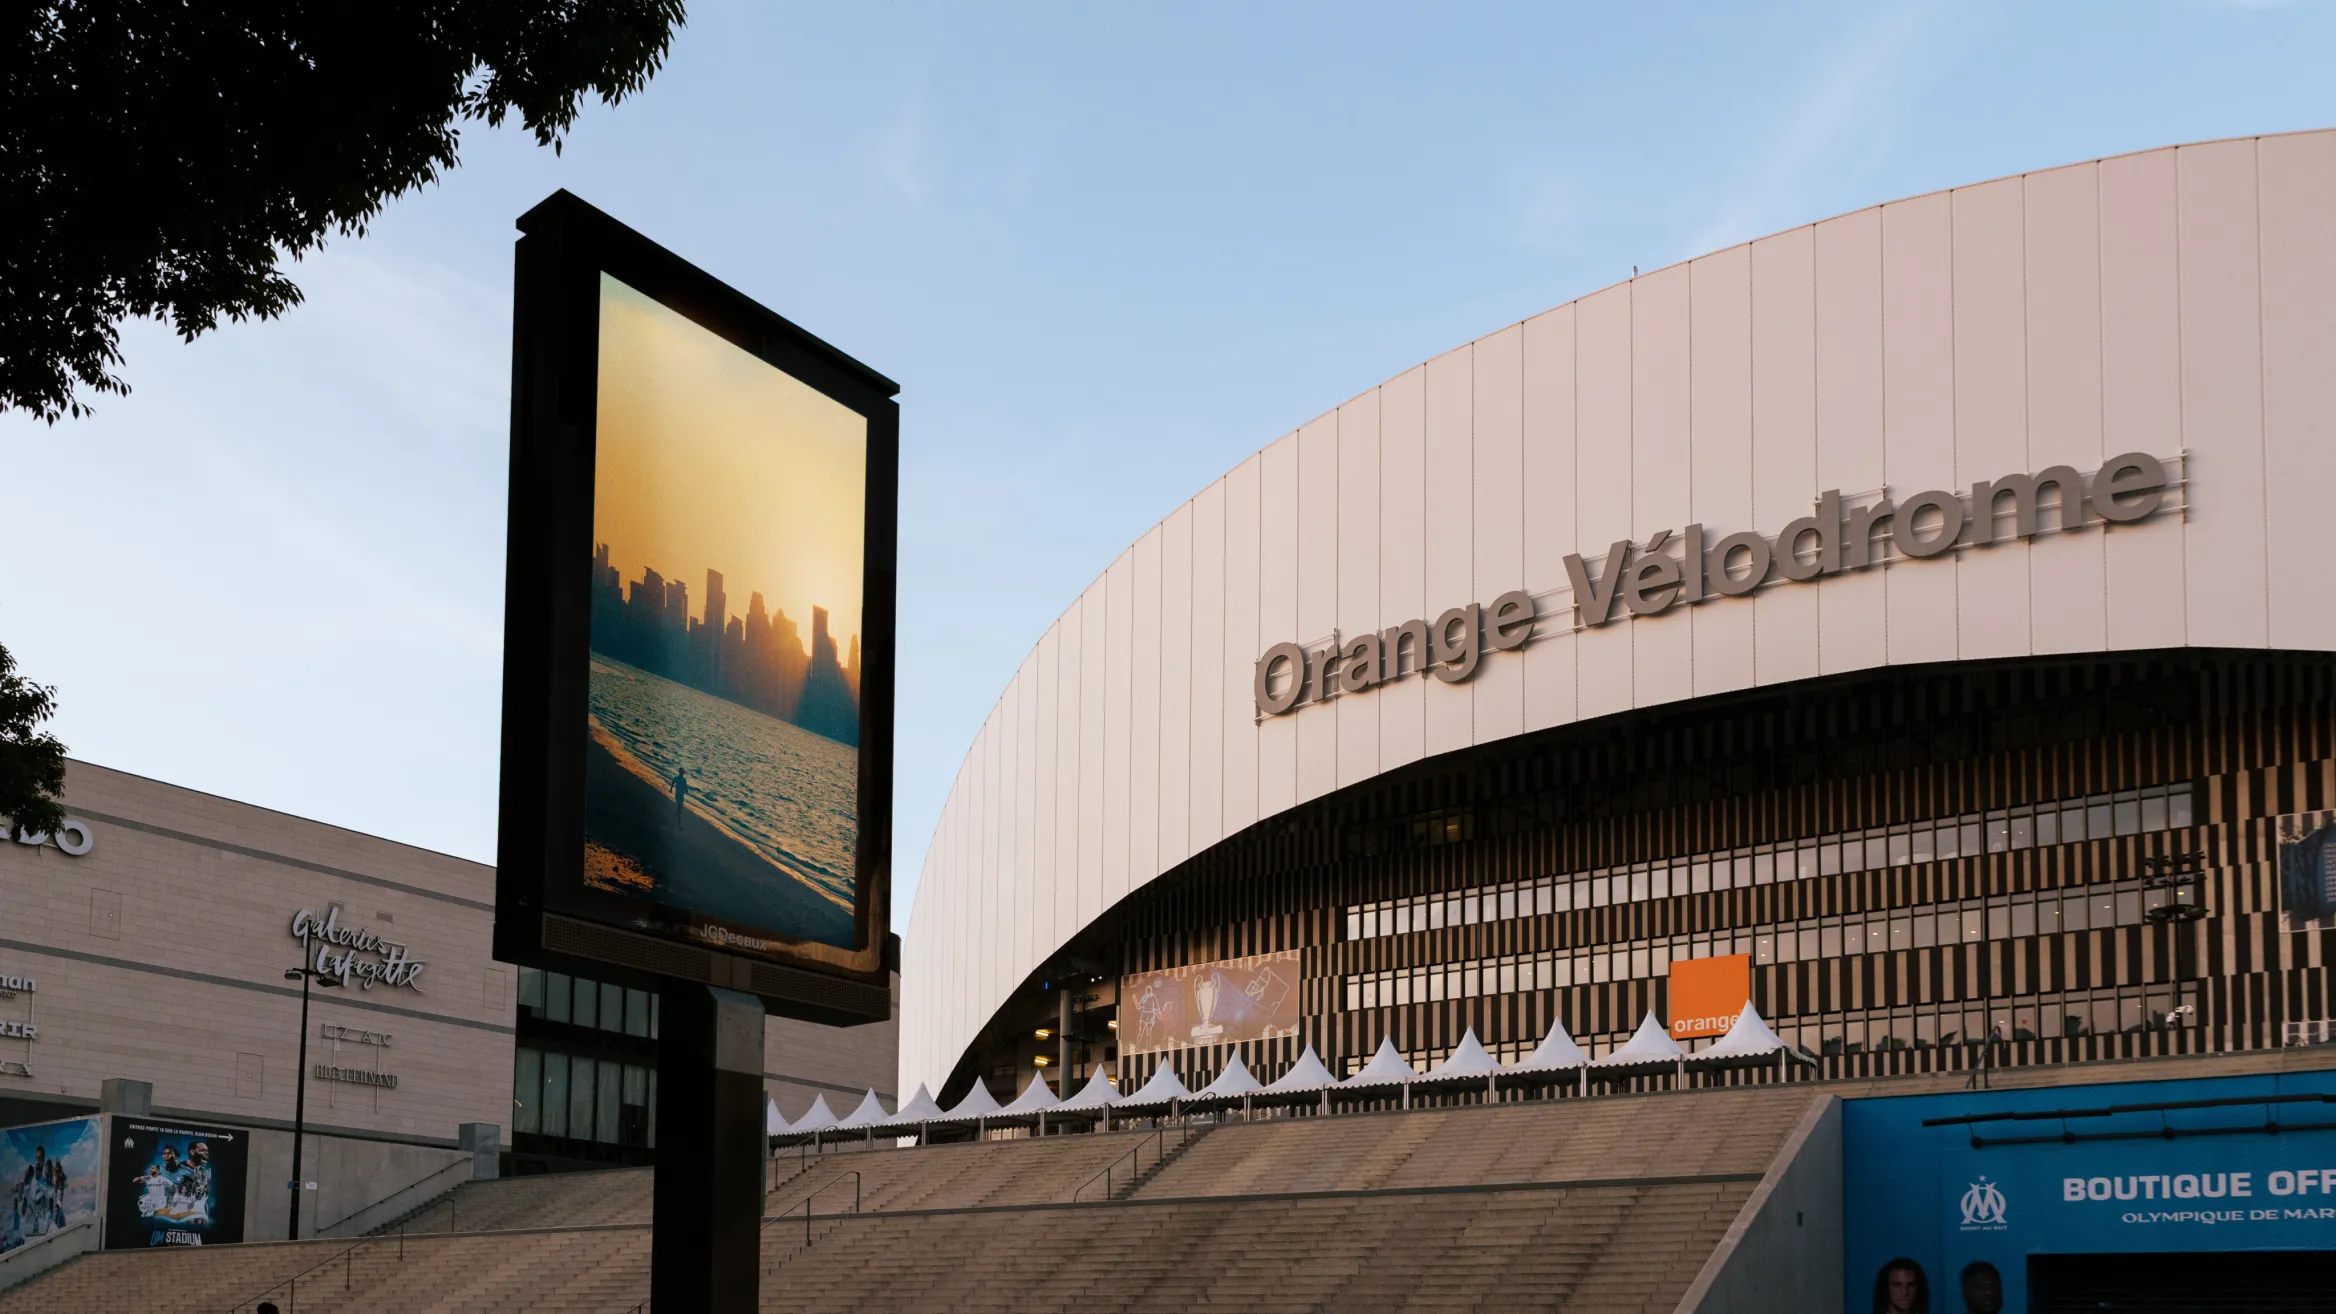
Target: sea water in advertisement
49	1171
174	1185
1962	1220
729	530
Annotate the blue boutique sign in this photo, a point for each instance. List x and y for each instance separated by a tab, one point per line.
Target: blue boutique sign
1995	1177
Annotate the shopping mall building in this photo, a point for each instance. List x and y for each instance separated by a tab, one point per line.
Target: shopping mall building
146	943
1922	603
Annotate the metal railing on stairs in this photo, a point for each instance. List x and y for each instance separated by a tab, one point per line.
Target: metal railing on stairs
804	1204
1133	1162
289	1287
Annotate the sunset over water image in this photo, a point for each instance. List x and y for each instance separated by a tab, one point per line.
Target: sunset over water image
722	764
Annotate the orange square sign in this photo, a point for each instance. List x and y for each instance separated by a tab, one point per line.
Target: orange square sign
1708	993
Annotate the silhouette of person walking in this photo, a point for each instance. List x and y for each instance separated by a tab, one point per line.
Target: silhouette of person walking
680	793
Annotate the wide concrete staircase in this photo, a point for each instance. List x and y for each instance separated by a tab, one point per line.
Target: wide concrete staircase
1600	1204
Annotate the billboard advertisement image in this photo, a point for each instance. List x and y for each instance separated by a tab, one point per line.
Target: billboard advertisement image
174	1186
698	633
728	521
49	1171
1206	1004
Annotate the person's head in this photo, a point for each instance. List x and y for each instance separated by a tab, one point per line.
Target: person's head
199	1152
1900	1288
170	1156
1982	1288
267	1307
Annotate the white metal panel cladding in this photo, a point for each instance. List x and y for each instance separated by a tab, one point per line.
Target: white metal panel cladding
2176	301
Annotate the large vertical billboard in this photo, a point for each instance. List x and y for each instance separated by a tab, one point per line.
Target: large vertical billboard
174	1185
48	1178
698	640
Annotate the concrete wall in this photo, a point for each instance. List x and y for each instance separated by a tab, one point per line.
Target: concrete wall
160	956
2175	302
359	1184
803	1061
1784	1249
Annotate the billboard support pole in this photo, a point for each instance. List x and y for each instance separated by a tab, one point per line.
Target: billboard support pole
705	1245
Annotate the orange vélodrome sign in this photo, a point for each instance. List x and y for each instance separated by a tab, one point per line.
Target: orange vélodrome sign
1708	993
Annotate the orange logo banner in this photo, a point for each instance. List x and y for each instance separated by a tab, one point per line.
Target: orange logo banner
1708	993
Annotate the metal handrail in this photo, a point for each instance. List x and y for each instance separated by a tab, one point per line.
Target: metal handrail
446	1168
1158	1140
805	1202
346	1258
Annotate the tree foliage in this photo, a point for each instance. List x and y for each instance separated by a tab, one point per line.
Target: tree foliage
32	762
159	158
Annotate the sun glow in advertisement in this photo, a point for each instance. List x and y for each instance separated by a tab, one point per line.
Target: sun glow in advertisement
722	755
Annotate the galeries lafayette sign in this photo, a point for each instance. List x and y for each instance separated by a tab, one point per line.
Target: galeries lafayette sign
355	953
1671	569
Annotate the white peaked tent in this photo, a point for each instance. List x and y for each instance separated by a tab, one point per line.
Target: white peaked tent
1234	1083
815	1120
1387	1069
1749	1044
772	1123
1557	1053
920	1109
1649	1048
1305	1076
1547	1064
1163	1088
1467	1063
1037	1097
978	1103
870	1114
1093	1099
1307	1082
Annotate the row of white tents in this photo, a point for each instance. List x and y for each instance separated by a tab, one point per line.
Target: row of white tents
1749	1043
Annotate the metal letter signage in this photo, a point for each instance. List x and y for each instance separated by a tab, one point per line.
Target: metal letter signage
337	947
1289	675
1649	580
1674	568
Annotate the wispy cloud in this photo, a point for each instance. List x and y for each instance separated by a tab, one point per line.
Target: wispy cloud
1844	111
900	150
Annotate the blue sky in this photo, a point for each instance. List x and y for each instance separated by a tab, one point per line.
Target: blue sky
1108	251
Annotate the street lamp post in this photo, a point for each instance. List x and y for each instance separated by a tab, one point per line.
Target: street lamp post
305	973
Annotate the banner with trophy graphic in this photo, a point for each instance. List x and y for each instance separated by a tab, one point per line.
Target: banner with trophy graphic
1203	1004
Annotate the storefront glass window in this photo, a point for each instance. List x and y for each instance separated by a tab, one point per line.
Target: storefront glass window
611	1102
580	1098
527	1087
555	996
555	1094
587	1003
637	1013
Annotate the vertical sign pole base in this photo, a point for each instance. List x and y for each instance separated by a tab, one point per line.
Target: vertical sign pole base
705	1247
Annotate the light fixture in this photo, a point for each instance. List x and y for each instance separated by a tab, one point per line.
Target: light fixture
1040	1061
1113	1024
1043	1033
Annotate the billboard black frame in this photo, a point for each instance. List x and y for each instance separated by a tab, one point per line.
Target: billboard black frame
544	917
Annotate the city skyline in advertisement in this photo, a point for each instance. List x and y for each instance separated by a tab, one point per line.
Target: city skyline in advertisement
722	771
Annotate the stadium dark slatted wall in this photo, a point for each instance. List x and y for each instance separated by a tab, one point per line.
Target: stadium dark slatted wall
2250	736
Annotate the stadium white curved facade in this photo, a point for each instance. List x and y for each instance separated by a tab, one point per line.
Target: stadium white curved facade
2178	304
